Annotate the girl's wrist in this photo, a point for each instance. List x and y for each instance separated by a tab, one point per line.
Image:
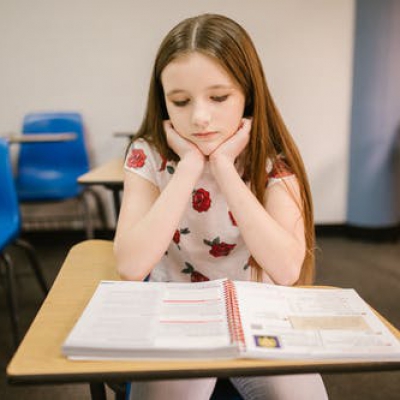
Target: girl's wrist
220	163
192	162
219	159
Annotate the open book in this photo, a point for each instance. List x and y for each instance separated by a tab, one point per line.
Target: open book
226	319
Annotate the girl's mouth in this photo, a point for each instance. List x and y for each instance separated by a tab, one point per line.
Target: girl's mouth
204	135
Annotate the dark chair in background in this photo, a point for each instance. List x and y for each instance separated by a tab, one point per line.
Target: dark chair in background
48	172
10	223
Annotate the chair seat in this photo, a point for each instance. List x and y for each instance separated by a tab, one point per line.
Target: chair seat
41	185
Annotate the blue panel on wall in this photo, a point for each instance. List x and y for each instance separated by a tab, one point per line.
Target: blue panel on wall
374	177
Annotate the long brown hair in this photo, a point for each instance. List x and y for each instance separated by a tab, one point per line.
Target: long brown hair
226	41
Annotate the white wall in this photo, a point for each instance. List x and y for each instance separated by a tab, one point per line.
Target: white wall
95	56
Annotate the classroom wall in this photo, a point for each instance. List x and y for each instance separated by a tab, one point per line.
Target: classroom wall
94	56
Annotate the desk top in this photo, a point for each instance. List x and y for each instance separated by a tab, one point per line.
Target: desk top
39	359
41	137
111	173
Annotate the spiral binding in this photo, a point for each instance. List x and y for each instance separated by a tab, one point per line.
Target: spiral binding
234	320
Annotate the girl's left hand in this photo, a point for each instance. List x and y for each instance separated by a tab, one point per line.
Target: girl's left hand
232	147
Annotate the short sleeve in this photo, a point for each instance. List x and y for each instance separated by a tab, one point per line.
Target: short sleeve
277	171
144	160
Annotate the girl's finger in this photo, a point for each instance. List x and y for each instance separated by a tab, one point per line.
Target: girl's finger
245	125
167	125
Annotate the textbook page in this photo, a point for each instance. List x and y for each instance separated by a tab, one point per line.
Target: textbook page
283	322
152	319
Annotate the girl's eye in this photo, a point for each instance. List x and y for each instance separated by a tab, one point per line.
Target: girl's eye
219	99
180	103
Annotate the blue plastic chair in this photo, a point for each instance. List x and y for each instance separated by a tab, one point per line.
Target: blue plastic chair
49	171
10	223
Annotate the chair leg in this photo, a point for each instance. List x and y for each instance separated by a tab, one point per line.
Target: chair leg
99	206
11	297
119	389
98	391
87	217
35	264
224	390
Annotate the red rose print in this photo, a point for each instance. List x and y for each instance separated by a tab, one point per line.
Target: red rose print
177	237
218	248
195	276
201	200
163	163
198	277
221	249
136	159
232	219
170	169
280	169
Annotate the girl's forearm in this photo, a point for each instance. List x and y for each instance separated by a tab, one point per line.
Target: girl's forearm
143	244
278	252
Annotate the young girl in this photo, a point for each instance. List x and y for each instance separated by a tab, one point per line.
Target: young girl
215	187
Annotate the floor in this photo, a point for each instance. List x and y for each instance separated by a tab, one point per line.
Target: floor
372	268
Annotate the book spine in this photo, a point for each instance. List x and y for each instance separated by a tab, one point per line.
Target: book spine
234	320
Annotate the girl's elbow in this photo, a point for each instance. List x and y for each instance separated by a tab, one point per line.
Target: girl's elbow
295	267
124	266
292	276
292	269
128	273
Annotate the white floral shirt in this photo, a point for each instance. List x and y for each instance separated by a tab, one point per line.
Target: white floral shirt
207	244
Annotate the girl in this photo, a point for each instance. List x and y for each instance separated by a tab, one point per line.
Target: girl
215	186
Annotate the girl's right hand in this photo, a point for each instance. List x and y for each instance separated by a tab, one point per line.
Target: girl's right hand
181	146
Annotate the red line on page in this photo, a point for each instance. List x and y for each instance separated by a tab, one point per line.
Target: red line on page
189	322
191	301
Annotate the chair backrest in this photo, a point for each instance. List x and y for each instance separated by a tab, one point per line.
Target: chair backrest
10	218
70	155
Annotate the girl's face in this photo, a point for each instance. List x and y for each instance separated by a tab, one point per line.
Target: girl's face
204	104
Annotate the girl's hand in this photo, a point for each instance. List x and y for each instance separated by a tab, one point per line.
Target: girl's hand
181	146
232	147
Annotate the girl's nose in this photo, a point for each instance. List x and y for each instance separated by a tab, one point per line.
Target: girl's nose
200	115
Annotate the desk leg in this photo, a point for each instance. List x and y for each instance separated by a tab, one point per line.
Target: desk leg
98	391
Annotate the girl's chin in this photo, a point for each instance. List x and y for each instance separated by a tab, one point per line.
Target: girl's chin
206	148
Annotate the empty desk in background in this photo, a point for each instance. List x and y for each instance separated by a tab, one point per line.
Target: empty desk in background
41	137
109	175
39	360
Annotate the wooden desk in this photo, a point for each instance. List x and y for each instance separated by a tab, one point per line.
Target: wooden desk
39	359
127	135
109	175
41	137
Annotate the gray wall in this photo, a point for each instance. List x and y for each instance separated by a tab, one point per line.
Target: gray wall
374	177
95	56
